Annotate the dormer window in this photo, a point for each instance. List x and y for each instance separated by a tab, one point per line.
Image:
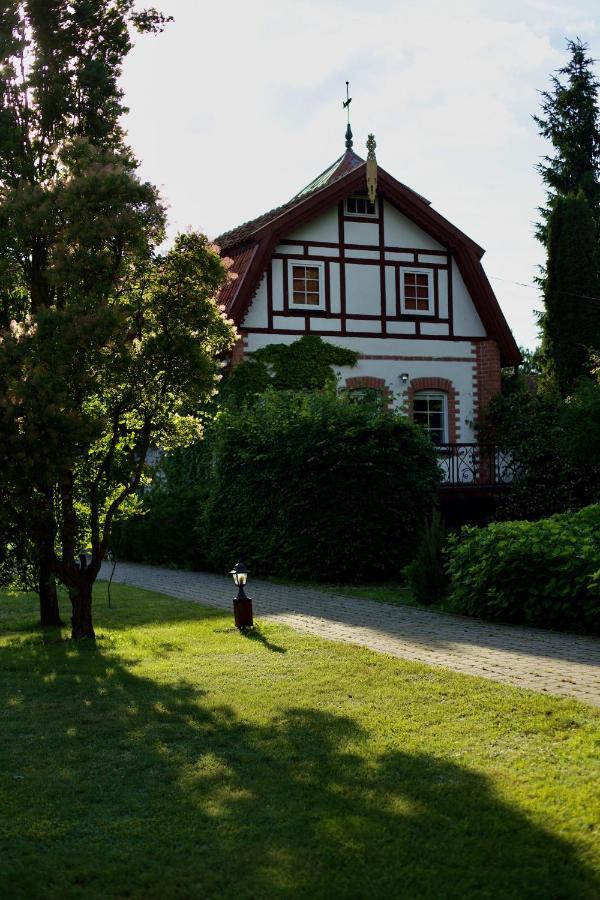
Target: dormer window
305	281
416	291
360	206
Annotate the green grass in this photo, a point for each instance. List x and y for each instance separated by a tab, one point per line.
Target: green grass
178	758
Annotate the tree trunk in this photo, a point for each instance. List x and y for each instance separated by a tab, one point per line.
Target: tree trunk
81	620
49	612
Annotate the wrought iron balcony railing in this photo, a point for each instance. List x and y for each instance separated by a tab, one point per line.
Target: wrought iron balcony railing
477	465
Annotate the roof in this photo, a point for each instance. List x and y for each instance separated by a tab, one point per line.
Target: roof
348	162
251	244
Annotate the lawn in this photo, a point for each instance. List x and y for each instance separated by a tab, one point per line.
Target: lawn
178	758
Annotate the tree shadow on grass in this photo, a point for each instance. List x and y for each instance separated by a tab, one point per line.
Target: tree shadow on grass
118	785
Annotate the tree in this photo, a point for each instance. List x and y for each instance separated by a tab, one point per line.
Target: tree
60	63
570	120
571	319
90	386
106	347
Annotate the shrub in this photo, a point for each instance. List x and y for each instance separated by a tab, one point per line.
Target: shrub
532	573
315	486
426	575
555	445
165	532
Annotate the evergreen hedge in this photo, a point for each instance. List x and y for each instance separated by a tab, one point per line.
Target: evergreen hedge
317	486
544	573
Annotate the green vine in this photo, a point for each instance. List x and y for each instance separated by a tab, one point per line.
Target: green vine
305	365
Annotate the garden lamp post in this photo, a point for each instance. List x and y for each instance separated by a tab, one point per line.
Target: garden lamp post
242	604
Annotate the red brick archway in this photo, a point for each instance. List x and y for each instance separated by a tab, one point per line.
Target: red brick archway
368	382
438	384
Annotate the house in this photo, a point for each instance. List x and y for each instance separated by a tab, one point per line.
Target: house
365	262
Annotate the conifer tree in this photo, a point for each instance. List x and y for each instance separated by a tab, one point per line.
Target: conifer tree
569	229
571	322
570	120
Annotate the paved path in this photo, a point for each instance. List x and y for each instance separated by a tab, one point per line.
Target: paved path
543	661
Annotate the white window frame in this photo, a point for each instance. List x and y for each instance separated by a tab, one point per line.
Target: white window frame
435	395
365	215
314	264
430	311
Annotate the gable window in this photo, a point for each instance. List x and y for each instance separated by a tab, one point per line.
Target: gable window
360	206
430	409
416	290
306	285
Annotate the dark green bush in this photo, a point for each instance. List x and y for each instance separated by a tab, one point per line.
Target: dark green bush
165	532
554	443
315	486
426	574
541	573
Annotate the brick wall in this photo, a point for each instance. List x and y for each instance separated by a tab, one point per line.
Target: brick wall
487	379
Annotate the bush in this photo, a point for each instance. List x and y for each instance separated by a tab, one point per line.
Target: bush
555	445
426	575
315	486
165	532
541	573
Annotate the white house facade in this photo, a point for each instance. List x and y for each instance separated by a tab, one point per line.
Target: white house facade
365	262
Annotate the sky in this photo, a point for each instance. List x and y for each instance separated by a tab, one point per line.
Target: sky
238	105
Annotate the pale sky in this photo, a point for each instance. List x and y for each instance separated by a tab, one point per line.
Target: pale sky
238	105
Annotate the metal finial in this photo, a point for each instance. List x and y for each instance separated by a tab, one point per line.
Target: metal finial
346	105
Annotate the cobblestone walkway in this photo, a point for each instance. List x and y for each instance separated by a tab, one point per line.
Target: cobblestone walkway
543	661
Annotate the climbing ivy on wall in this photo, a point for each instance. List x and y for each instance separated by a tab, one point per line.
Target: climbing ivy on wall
305	365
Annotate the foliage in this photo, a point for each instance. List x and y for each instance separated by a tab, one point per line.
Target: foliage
206	763
109	347
571	319
300	486
163	532
552	443
570	120
530	573
305	364
426	574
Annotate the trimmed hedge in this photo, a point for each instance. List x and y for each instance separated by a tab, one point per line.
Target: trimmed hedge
165	532
544	573
316	486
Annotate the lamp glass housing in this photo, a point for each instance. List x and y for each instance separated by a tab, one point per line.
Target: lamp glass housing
239	573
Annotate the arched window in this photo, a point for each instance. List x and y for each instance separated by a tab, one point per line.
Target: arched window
430	409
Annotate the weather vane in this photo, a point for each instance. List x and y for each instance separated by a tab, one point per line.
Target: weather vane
346	105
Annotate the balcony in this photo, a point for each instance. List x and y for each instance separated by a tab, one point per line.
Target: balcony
472	466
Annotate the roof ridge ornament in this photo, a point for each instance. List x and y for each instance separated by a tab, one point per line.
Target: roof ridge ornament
346	104
371	168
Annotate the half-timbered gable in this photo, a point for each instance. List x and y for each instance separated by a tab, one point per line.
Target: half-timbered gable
384	275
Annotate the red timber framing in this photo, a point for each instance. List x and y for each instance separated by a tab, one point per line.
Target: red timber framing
252	257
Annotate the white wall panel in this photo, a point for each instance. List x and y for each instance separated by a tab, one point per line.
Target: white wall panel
257	315
363	289
466	318
334	287
277	282
434	328
361	233
322	228
400	231
288	322
443	293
